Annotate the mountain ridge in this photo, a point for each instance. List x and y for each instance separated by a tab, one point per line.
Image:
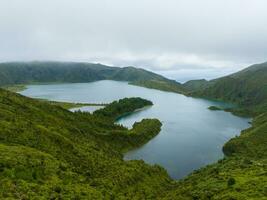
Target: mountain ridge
246	88
12	72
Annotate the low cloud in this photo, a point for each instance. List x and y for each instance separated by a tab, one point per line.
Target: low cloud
172	37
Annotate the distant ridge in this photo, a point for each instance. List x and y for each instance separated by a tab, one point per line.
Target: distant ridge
13	73
247	87
28	72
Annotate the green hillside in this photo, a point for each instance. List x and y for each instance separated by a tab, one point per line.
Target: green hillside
135	74
195	85
166	85
45	72
247	88
14	75
50	153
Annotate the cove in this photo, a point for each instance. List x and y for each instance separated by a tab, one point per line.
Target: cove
192	136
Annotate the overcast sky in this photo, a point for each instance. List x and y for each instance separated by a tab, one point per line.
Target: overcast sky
181	39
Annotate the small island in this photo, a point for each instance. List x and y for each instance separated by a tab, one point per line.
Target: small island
122	107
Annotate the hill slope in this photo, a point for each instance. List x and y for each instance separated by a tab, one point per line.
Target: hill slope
50	72
195	85
30	72
50	153
248	88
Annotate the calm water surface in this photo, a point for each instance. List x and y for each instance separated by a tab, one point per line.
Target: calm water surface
192	136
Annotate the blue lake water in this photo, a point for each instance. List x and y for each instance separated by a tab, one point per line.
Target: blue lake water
192	136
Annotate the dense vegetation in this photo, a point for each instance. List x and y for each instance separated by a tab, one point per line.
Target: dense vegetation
122	107
46	72
48	152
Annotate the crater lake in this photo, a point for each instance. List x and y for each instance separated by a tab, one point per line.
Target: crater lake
192	136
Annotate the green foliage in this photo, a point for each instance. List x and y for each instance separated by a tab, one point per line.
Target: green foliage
122	107
140	133
231	181
50	153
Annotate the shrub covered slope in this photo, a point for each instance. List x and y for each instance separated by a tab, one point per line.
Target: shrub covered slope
50	153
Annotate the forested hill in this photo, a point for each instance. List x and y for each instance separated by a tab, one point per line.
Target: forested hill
31	72
247	88
71	72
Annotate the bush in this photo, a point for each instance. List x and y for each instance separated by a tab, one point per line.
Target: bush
231	181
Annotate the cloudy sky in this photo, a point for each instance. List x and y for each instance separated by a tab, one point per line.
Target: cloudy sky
181	39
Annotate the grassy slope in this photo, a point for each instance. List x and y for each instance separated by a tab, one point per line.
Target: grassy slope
48	152
247	88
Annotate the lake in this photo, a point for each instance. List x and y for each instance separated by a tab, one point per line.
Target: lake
192	136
